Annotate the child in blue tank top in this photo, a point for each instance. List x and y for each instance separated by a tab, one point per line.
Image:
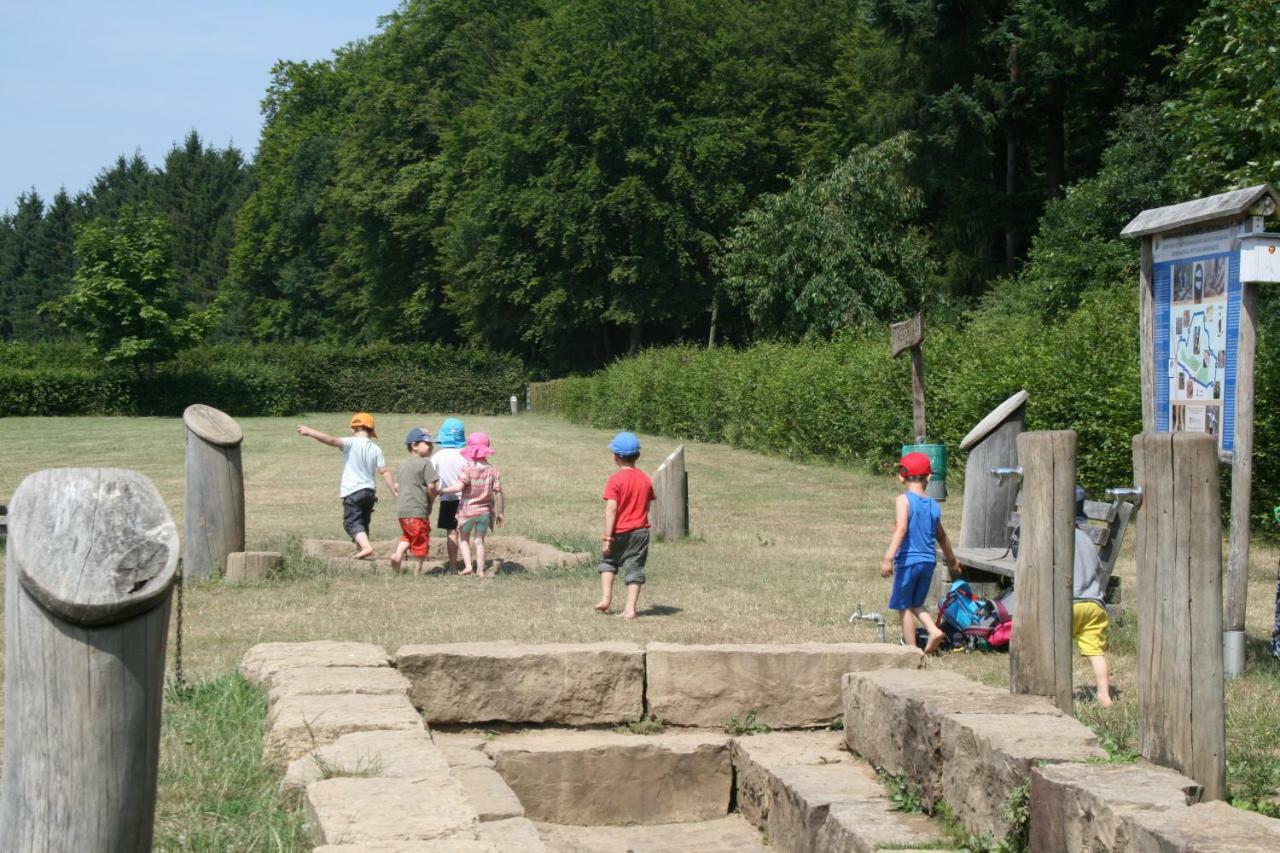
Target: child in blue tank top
912	553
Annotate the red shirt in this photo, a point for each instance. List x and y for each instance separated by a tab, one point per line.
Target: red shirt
633	490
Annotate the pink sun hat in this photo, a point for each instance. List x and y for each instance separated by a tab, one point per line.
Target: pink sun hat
478	438
477	447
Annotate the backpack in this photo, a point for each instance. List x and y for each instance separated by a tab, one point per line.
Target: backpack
966	620
1002	606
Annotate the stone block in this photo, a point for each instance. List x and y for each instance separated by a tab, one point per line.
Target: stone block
264	660
512	835
387	754
729	834
789	686
373	811
462	749
245	566
1091	807
560	683
605	779
459	842
1205	828
755	757
327	680
893	718
489	793
299	724
986	757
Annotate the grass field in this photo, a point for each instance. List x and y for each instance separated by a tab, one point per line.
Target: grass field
781	552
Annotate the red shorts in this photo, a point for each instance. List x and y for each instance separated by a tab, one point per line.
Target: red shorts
417	532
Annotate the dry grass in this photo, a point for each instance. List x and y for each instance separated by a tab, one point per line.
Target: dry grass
781	552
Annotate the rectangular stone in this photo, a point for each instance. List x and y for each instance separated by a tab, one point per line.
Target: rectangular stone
560	683
606	779
987	757
789	686
264	660
387	754
512	835
489	793
1081	808
1205	828
323	680
299	724
371	811
893	718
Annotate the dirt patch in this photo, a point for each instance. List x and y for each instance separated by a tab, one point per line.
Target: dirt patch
505	553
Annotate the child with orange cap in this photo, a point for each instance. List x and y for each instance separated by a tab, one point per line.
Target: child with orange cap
361	459
912	553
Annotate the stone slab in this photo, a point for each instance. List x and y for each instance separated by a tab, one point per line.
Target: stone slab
489	793
1205	828
730	834
461	842
789	686
247	566
893	718
299	724
560	683
987	757
1091	807
387	754
607	779
370	811
325	680
514	835
264	660
754	756
463	749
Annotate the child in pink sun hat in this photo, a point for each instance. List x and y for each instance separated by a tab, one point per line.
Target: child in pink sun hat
480	485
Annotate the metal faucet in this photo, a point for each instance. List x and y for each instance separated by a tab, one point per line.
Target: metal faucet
1007	475
874	618
1132	495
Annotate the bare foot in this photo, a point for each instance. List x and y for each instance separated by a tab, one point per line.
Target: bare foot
466	572
935	640
627	614
396	563
365	554
603	607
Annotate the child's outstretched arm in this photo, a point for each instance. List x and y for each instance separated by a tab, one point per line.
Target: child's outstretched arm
902	512
390	480
307	431
610	518
948	555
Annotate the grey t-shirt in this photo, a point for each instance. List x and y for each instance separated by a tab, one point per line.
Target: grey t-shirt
1088	582
415	475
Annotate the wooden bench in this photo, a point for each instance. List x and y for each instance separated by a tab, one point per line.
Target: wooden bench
1106	526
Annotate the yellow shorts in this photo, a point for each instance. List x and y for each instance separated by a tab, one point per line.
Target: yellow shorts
1089	627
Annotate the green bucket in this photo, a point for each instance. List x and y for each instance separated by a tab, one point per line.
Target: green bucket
936	488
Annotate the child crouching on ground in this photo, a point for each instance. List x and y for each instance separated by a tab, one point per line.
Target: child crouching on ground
912	553
481	505
361	459
627	495
417	479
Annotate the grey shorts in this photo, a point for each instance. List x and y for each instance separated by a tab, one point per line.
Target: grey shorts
357	511
629	551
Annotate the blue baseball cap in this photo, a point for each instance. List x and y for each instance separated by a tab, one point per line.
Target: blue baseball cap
451	434
417	434
625	444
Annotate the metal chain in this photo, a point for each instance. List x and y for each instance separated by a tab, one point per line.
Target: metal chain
179	677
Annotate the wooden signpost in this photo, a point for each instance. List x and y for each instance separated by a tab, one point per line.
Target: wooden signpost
1202	261
213	507
904	336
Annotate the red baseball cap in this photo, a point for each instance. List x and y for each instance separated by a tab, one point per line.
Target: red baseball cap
915	465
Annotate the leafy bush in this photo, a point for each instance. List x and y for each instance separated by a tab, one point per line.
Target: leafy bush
47	391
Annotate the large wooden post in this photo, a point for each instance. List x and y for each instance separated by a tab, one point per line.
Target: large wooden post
1040	649
90	569
1241	486
988	502
213	511
904	336
670	516
1179	602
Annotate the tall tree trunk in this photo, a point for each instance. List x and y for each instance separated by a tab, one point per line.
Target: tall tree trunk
715	317
1011	165
1056	167
633	344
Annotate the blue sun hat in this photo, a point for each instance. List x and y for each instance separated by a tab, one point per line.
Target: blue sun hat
451	434
625	444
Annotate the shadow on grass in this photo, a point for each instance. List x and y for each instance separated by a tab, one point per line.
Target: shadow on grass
659	610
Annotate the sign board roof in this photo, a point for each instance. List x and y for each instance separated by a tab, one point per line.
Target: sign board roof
1221	206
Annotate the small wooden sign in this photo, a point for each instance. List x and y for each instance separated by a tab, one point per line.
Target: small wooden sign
907	334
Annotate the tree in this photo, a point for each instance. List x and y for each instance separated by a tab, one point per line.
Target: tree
36	262
123	302
834	251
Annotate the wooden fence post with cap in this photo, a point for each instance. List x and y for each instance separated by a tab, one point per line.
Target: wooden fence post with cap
91	560
670	516
213	510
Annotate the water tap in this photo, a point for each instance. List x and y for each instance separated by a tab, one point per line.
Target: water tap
874	618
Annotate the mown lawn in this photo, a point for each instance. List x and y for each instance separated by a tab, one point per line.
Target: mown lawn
780	552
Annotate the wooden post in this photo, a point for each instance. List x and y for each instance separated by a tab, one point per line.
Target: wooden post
909	335
1181	720
213	510
1146	331
670	516
1040	649
92	556
1241	485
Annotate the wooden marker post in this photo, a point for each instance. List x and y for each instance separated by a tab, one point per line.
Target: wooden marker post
1040	650
213	510
90	569
909	335
670	516
1181	721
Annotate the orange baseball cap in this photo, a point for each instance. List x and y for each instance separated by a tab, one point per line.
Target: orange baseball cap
364	419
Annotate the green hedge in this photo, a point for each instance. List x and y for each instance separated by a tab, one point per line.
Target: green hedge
269	380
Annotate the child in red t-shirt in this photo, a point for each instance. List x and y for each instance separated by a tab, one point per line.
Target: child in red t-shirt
627	496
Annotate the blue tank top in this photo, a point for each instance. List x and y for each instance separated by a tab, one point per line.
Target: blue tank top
920	545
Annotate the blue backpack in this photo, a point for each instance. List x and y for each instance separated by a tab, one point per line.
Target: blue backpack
961	608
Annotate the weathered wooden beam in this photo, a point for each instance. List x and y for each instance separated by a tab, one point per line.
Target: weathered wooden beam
91	560
670	516
1237	591
909	335
213	508
1181	721
1040	649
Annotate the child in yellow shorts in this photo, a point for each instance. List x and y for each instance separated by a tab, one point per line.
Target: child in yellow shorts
1088	615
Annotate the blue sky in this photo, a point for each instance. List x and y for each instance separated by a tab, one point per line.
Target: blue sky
82	82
